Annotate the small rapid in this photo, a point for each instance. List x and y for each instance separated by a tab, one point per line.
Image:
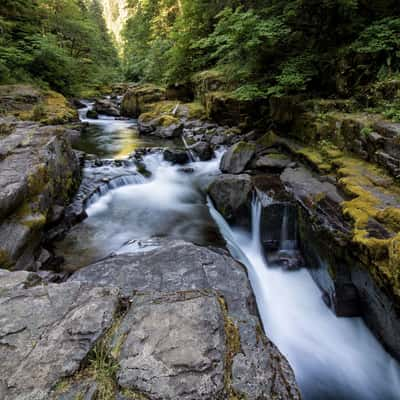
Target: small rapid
333	358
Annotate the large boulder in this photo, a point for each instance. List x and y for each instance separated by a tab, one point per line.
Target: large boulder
47	332
106	107
237	158
192	324
203	150
27	102
135	99
38	171
231	195
163	126
180	157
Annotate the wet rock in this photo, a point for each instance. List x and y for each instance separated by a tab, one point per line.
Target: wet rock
174	346
202	150
47	332
164	126
231	195
92	114
106	107
180	157
256	366
237	158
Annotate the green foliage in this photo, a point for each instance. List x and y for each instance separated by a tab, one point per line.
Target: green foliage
63	44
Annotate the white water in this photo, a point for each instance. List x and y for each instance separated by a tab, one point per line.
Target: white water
333	358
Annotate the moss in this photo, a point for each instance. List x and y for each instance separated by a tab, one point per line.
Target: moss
133	395
233	347
5	261
268	140
243	146
195	110
167	120
390	217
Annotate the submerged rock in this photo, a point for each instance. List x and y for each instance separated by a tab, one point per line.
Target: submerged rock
237	158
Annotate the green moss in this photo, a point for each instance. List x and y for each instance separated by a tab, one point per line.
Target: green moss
390	217
268	140
233	347
243	146
5	261
195	110
133	395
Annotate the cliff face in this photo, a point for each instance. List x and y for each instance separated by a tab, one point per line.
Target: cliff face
115	14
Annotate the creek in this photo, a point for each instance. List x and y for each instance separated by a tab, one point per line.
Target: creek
333	358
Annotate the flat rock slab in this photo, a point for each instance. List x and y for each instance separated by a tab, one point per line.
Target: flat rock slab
46	332
174	347
257	368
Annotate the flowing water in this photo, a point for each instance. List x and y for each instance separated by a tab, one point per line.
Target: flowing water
333	358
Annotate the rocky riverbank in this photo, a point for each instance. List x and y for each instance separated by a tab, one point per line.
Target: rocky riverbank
178	321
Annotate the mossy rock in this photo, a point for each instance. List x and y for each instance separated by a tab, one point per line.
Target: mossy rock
270	139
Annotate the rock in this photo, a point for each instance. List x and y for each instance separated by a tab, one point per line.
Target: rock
92	114
174	346
181	92
106	107
236	159
257	368
231	195
164	126
274	162
38	171
47	332
180	157
203	150
135	99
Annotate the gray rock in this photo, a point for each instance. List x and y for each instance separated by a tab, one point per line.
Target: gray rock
180	157
236	159
106	107
203	150
174	346
231	195
155	127
46	332
180	266
38	170
274	162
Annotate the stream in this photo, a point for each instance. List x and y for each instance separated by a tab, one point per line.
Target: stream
333	358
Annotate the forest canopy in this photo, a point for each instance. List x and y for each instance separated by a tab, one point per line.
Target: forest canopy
60	43
264	46
261	47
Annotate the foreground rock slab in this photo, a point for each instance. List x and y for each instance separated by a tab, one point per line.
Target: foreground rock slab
174	347
46	332
253	366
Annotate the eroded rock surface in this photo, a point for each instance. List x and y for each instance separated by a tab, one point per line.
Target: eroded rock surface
38	171
174	346
253	366
46	332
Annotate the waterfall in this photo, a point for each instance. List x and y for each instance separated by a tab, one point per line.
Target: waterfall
333	358
286	245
